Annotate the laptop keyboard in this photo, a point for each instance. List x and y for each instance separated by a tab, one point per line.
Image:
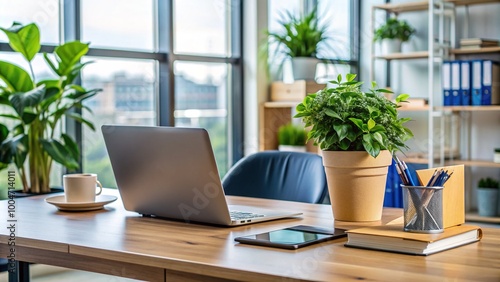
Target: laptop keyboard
238	215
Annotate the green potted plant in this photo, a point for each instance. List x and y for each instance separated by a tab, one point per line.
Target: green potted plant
357	132
292	137
487	196
299	41
31	128
392	33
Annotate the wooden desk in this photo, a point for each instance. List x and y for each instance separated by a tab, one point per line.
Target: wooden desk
114	241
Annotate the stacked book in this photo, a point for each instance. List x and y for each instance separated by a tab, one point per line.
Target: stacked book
477	43
392	238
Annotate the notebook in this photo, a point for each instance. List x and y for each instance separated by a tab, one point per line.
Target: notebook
170	172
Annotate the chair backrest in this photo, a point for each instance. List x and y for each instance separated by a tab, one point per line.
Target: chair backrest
279	175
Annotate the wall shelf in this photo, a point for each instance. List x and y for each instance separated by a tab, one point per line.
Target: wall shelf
474	216
403	7
478	163
483	50
404	56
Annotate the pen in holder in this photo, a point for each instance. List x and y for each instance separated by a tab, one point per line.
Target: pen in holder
423	209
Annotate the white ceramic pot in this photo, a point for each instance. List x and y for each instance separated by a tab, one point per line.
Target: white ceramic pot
304	68
290	148
390	46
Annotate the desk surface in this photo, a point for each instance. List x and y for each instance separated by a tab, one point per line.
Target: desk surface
117	242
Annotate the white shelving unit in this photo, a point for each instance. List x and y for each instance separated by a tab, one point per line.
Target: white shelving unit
441	14
441	46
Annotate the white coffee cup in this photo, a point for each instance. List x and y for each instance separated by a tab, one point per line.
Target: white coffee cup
81	187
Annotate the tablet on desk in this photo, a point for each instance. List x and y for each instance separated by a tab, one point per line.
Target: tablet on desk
293	237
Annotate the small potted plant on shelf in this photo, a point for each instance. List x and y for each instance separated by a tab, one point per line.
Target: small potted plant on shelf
392	34
31	123
292	137
357	132
487	196
300	41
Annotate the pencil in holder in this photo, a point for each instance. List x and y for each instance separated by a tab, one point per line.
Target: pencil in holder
423	209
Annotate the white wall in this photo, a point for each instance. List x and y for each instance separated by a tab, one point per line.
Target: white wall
255	80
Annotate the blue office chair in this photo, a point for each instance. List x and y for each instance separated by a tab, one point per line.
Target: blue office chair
278	175
3	264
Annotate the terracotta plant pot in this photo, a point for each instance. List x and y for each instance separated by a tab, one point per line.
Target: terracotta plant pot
356	183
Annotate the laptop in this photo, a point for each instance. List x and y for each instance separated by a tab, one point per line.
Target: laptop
170	172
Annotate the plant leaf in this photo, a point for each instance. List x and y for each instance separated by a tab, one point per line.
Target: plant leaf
341	130
31	98
60	153
357	122
350	77
24	39
402	98
4	132
16	78
15	150
71	145
371	123
80	119
68	55
384	90
379	138
373	148
331	113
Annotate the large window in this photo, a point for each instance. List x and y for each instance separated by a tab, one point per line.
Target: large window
128	97
158	62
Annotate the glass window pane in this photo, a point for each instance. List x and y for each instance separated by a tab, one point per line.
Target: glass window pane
44	13
335	14
200	27
128	97
119	24
329	72
201	101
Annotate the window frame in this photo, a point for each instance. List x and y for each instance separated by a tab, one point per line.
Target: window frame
70	29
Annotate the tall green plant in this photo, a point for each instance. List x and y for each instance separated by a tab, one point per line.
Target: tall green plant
301	36
33	127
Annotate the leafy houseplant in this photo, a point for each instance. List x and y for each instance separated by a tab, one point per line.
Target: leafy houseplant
292	137
394	29
32	125
392	33
488	182
301	38
487	196
358	132
348	119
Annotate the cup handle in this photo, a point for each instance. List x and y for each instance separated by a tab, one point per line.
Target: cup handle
100	187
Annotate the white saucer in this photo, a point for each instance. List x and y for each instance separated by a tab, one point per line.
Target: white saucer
61	204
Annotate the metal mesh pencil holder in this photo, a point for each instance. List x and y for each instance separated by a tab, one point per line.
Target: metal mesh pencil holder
423	209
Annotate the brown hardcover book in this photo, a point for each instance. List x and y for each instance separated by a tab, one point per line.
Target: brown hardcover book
477	41
392	238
